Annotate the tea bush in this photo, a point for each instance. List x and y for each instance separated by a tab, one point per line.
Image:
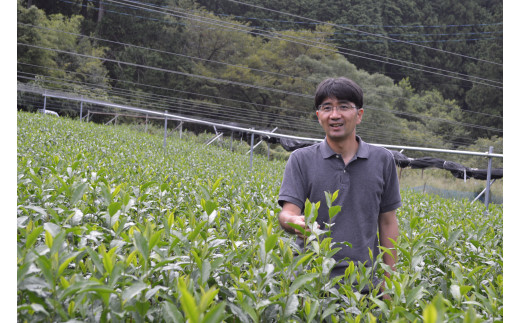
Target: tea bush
112	227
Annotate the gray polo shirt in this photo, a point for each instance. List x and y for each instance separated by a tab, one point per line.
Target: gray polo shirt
368	185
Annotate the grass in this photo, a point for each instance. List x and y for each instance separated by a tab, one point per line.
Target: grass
442	180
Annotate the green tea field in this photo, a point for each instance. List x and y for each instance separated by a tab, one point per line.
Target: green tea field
111	227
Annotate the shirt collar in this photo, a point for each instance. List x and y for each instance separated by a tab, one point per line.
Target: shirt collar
327	152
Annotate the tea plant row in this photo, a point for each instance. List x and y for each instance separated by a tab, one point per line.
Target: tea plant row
112	227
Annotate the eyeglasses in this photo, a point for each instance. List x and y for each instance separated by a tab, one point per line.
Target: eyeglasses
327	108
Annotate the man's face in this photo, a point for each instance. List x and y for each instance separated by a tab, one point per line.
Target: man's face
339	124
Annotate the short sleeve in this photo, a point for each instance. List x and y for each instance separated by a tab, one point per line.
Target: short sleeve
292	189
391	197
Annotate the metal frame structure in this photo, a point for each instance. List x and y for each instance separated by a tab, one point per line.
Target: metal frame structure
252	131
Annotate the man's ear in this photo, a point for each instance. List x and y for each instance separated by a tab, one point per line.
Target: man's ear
359	115
317	115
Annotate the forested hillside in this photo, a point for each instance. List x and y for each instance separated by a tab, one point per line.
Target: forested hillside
431	70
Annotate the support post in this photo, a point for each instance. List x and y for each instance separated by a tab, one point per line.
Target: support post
268	150
146	124
81	111
231	140
488	179
180	130
44	103
113	119
261	140
88	115
165	128
215	138
251	150
480	194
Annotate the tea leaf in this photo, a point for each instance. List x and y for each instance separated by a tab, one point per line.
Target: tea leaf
455	291
207	298
33	236
113	208
270	242
301	280
141	244
414	295
454	236
133	290
188	304
171	313
154	239
430	314
334	210
291	306
216	314
65	264
78	193
96	260
36	209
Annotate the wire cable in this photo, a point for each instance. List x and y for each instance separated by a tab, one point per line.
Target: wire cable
359	31
166	52
345	52
342	52
388	133
417	116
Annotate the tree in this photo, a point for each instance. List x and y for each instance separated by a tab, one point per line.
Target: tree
51	53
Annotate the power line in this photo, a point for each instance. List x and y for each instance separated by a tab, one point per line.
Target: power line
165	52
169	71
388	133
345	53
414	41
205	108
68	96
370	26
159	51
258	104
362	32
392	111
285	38
387	110
389	34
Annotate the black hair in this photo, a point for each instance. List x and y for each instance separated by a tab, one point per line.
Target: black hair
340	88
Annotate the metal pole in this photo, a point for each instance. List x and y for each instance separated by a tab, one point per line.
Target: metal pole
146	124
165	128
81	111
88	115
44	103
251	154
268	146
260	132
488	179
215	138
180	130
480	194
231	144
262	140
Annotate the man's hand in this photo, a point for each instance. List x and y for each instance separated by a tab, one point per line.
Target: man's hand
292	214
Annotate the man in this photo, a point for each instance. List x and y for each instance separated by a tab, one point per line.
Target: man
365	176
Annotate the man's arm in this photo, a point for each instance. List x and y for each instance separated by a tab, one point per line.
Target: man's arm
291	213
388	229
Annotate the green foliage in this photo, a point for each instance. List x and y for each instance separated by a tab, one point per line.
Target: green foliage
423	110
478	34
112	227
44	58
